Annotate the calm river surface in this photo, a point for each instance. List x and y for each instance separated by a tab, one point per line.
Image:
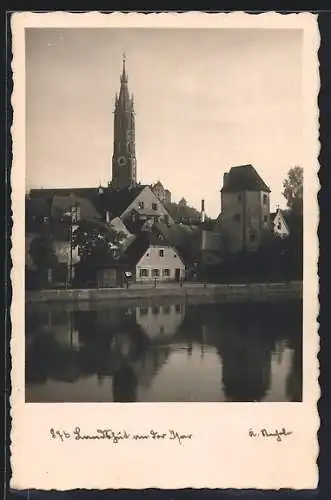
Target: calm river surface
164	352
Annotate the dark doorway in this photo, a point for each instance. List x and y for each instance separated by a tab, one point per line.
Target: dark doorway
177	274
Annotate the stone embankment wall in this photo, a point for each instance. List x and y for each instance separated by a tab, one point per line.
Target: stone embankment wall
226	293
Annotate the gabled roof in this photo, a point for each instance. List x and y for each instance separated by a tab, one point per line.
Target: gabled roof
185	238
118	200
287	215
143	241
243	178
175	234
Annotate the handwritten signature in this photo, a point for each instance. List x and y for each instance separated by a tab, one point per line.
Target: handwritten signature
278	434
117	436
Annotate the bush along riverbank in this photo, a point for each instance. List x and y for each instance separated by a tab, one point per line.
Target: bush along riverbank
231	292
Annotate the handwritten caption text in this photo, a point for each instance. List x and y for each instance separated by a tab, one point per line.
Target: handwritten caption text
116	437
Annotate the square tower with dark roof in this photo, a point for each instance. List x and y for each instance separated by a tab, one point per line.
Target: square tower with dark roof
245	202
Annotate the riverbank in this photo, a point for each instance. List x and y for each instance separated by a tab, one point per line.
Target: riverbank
219	292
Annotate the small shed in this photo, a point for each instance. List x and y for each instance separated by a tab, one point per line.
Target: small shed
107	274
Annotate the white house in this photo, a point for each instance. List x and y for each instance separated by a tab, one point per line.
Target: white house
280	224
151	259
138	201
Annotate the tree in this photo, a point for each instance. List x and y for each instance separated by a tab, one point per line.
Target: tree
43	256
293	189
293	192
97	241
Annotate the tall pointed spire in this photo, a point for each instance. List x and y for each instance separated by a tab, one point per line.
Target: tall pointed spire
124	155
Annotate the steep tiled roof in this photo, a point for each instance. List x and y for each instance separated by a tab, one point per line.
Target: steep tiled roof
118	200
139	246
185	238
175	234
243	178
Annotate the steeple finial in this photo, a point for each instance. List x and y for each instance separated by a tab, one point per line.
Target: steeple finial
124	75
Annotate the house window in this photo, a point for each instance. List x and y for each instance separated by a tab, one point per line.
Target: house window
166	272
265	218
279	226
166	309
141	204
143	311
161	253
143	273
175	256
236	217
265	199
154	206
178	308
155	273
155	310
156	219
252	236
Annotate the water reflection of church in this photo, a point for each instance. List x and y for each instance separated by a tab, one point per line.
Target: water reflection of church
131	346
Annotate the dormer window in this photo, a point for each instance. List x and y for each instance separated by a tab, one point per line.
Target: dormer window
154	206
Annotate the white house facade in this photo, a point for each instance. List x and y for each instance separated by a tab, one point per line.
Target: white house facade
160	263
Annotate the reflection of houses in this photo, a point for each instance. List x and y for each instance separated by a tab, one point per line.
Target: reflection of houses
245	212
159	322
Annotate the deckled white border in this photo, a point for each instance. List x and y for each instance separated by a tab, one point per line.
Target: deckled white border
221	455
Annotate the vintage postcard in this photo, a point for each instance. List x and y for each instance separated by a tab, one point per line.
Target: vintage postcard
164	248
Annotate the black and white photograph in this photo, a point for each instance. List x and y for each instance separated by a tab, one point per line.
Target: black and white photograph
164	215
169	201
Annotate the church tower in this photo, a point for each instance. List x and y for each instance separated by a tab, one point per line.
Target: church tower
124	153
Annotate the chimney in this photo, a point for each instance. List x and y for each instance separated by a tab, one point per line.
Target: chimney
202	211
107	216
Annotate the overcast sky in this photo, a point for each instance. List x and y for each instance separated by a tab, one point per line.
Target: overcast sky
205	100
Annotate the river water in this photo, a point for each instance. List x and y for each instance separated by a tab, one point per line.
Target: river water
164	351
